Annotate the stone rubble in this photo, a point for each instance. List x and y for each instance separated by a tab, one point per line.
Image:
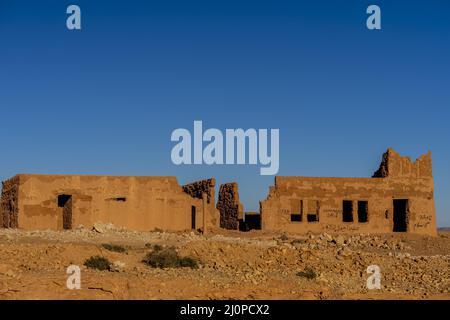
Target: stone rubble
232	265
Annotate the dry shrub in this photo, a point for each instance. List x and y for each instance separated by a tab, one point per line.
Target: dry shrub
168	258
98	262
114	247
308	273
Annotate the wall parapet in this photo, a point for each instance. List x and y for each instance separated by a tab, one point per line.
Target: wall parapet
393	165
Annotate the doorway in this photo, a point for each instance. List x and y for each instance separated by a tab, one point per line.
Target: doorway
401	208
65	202
193	214
347	211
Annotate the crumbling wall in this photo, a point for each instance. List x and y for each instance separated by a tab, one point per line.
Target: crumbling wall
9	203
196	190
393	165
231	210
383	170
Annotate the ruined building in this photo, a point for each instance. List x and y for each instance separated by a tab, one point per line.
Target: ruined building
137	203
398	198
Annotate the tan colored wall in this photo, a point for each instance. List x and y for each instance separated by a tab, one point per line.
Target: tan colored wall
151	202
393	165
403	180
205	190
30	201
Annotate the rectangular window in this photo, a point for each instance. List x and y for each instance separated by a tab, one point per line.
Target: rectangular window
117	199
313	211
347	211
296	210
313	217
363	211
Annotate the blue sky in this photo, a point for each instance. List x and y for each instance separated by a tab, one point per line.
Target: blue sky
104	100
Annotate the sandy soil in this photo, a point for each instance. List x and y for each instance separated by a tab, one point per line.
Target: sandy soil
233	265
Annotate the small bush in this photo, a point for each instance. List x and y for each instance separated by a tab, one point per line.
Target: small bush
168	258
154	247
114	247
98	262
308	273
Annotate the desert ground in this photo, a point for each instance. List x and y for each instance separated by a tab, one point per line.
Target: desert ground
231	265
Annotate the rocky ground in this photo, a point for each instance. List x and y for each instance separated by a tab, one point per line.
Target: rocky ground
232	265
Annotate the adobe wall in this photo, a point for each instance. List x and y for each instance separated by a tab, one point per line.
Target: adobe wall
9	203
135	203
393	165
294	204
402	179
231	210
199	189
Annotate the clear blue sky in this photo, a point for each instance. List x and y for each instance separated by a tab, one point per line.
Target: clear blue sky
104	100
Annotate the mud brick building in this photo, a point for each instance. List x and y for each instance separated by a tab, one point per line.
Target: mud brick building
137	203
398	198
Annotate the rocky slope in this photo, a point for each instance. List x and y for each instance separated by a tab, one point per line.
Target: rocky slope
232	265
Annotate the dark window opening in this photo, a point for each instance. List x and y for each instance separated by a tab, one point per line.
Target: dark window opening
401	215
122	199
193	214
313	217
295	217
63	199
347	211
363	211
